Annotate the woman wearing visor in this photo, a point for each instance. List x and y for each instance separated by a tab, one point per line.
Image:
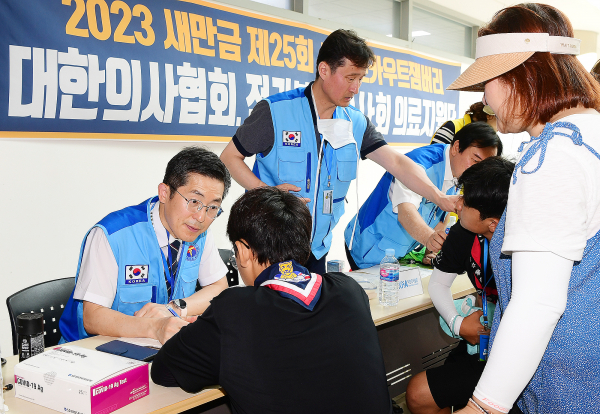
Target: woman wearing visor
545	251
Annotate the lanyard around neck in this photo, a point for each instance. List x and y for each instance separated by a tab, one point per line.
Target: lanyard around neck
485	281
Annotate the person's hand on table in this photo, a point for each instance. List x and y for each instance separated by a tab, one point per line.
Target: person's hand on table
471	327
167	327
436	241
291	188
153	310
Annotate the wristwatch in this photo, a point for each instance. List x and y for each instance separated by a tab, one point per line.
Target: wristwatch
180	305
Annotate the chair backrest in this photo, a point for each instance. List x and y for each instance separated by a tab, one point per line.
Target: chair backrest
232	273
48	298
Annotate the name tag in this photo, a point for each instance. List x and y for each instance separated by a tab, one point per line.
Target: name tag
327	201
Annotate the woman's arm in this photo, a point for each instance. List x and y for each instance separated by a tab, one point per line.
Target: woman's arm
540	282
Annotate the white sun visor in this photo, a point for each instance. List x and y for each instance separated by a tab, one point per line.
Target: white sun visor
497	44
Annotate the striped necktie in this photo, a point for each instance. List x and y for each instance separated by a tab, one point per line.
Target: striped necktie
174	247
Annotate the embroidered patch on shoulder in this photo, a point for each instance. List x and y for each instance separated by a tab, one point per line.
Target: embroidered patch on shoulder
292	138
135	274
288	275
192	253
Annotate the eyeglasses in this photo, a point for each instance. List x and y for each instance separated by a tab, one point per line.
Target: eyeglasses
193	206
232	253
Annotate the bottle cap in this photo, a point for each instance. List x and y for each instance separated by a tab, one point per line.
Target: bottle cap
451	220
390	252
30	324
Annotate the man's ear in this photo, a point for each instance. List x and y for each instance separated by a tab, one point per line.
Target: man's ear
492	225
324	69
245	256
454	149
164	193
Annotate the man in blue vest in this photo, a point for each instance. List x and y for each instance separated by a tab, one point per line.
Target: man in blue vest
309	141
394	217
138	266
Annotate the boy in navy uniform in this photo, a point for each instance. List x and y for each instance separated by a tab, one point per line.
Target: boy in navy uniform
485	193
291	341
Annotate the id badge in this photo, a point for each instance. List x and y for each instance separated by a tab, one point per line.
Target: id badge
327	201
484	339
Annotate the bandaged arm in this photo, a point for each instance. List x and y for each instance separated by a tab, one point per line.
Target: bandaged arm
540	282
441	296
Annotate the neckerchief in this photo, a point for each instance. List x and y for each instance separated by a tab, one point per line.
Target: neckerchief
292	281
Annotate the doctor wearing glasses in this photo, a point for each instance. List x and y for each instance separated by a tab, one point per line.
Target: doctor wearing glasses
138	266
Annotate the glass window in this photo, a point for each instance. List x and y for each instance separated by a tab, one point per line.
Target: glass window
376	17
435	31
282	4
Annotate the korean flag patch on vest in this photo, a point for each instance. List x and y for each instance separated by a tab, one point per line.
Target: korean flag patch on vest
135	274
292	138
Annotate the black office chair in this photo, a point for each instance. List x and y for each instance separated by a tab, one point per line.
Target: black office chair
49	298
232	273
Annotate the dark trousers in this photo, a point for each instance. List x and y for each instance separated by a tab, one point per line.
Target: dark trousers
318	266
351	262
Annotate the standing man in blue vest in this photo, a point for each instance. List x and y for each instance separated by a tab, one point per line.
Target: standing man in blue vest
309	141
138	266
394	217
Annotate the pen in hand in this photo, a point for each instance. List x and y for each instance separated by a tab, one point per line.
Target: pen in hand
173	312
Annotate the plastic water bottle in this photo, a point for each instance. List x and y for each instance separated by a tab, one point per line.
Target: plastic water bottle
389	273
450	222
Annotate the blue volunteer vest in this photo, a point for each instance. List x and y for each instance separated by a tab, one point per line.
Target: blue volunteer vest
294	159
378	227
141	276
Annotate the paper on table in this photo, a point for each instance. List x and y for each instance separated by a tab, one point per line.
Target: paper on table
149	342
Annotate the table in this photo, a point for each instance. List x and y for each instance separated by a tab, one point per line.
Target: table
161	400
409	334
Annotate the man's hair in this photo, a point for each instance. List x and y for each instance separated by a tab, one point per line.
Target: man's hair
345	44
195	160
485	186
478	134
275	225
546	83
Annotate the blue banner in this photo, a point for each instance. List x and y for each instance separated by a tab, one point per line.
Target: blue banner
185	70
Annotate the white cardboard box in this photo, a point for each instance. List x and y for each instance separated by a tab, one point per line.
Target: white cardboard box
76	380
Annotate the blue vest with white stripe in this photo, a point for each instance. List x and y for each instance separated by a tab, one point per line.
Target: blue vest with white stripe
132	239
294	160
378	227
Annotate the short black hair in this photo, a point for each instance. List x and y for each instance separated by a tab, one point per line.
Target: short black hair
485	186
478	134
275	225
345	44
196	160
